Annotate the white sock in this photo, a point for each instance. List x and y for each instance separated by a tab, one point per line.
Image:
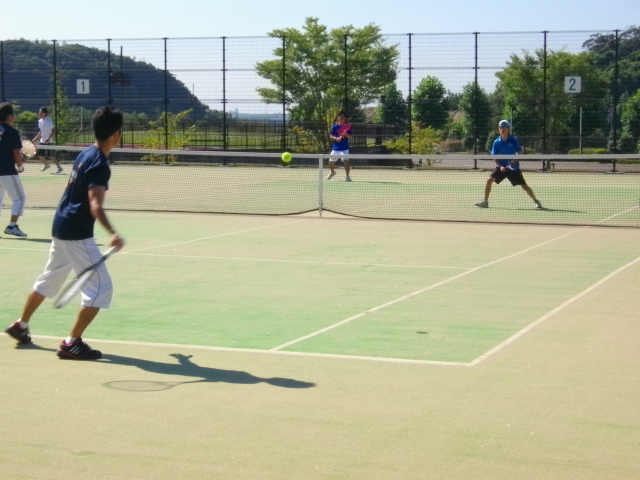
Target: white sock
70	340
12	224
23	324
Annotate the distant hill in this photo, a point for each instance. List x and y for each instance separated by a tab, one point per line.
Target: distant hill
27	79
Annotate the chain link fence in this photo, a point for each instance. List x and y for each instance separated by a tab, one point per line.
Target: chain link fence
562	91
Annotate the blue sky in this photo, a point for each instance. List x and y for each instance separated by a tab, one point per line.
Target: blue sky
72	20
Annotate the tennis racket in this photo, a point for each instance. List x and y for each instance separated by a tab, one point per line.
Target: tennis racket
28	148
344	129
74	287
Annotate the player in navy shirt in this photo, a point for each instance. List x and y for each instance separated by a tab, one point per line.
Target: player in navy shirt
10	166
73	246
341	132
506	144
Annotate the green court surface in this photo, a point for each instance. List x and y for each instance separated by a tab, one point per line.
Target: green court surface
305	347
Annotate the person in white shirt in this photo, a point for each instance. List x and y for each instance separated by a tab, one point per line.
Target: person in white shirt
45	137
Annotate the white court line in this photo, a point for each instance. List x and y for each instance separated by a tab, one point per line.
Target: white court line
418	292
268	352
213	236
313	262
534	324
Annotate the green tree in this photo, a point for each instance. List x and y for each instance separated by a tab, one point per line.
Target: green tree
630	137
392	109
477	113
522	85
170	130
428	103
325	71
603	48
422	141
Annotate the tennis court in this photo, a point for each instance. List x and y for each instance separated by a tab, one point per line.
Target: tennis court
305	347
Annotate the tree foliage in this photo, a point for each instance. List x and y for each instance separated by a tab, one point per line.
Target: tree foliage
522	85
477	114
603	48
319	72
428	103
392	109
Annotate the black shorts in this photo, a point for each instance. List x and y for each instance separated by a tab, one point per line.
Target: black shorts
515	178
42	152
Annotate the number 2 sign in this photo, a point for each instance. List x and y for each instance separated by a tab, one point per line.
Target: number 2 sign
573	84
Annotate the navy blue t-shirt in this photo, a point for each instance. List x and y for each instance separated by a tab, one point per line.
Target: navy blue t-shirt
9	141
73	219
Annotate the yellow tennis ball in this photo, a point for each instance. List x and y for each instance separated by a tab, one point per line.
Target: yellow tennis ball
286	157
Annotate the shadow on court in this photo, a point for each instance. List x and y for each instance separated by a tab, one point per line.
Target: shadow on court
183	368
186	368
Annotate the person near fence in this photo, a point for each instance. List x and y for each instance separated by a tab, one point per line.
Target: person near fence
341	132
506	144
73	245
45	137
10	166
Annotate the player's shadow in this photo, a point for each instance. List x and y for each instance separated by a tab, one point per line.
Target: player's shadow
27	239
186	368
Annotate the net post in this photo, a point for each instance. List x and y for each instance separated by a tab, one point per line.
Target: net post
320	185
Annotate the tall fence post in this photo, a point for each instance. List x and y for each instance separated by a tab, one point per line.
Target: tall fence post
2	69
55	90
475	109
283	142
544	98
109	99
614	144
409	102
166	98
224	95
346	85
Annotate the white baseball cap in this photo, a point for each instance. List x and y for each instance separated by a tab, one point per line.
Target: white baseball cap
504	123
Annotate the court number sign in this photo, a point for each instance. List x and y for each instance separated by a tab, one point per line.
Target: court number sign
82	86
573	84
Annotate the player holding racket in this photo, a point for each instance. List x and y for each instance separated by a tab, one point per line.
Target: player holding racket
10	166
44	137
506	144
73	245
341	132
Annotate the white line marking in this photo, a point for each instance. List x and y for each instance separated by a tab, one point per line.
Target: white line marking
215	236
529	327
268	352
418	292
297	261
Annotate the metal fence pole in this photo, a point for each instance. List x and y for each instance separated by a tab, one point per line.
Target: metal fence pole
544	98
224	96
284	95
2	69
109	99
409	113
166	98
475	109
346	94
55	90
614	145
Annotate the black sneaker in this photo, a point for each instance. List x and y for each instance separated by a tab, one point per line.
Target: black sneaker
20	334
78	350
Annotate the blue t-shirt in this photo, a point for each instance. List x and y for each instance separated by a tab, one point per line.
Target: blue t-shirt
9	141
73	219
509	147
343	144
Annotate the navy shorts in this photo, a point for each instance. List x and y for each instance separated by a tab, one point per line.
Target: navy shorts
515	178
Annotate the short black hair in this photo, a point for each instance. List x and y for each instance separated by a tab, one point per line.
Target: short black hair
6	109
341	112
45	110
106	121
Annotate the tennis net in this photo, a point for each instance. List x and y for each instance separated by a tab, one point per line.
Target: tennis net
573	189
